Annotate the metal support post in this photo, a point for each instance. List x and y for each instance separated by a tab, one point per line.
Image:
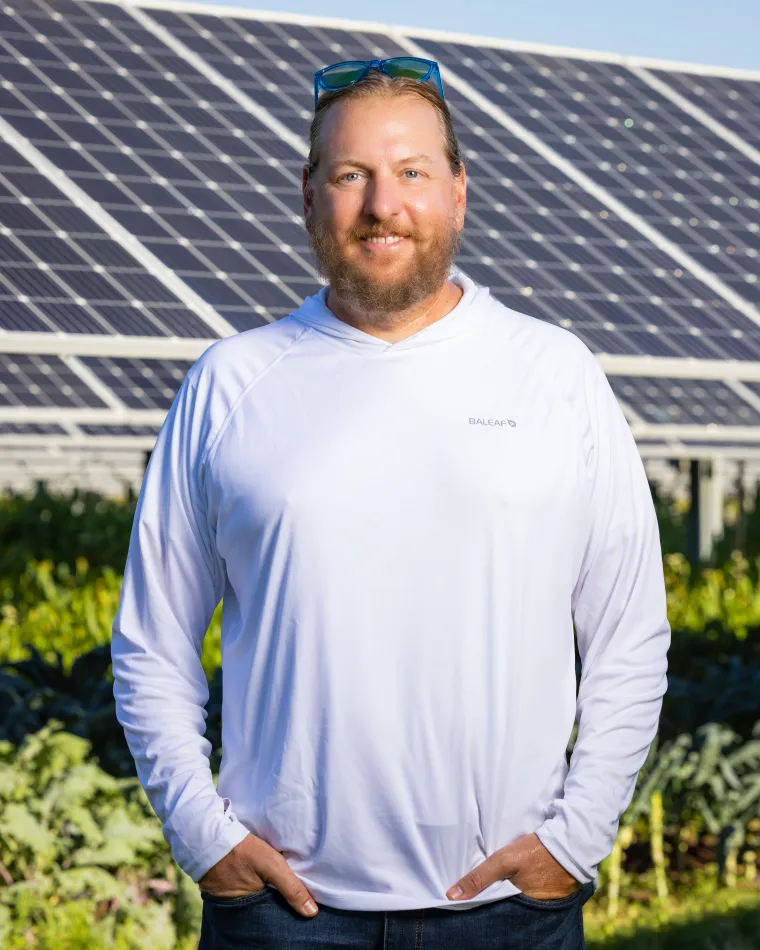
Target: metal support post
693	533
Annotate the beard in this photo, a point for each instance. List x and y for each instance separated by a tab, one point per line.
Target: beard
405	285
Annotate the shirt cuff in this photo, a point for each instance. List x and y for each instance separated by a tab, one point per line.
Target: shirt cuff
233	832
559	853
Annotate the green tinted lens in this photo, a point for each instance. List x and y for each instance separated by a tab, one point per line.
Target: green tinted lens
342	75
407	69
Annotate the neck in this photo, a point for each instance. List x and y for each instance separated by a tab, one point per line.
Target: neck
397	325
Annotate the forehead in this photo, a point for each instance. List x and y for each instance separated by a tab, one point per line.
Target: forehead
381	124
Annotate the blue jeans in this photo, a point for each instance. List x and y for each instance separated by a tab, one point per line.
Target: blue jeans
265	921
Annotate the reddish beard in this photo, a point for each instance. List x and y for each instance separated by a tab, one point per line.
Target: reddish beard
406	285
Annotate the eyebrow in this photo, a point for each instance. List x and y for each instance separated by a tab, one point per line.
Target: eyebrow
412	159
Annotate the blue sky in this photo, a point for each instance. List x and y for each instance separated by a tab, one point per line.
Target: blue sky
721	32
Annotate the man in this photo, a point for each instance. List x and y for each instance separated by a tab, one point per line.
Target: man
406	494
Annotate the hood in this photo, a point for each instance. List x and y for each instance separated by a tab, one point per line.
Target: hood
315	312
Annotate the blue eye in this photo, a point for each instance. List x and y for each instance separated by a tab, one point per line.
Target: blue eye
411	171
348	174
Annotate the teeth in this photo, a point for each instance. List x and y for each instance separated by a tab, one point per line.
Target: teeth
389	239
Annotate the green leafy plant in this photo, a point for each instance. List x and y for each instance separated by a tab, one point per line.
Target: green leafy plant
70	834
60	527
34	691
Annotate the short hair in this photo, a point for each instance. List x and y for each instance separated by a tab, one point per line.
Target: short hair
377	83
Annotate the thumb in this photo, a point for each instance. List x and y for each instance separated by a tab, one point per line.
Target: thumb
292	888
493	869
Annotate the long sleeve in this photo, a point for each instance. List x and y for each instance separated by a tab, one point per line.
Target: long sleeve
173	581
619	611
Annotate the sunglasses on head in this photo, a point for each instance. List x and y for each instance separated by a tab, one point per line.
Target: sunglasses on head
341	75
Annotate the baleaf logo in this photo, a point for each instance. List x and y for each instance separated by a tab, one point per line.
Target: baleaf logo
492	422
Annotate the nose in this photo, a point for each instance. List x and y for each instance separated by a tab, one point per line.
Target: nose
382	197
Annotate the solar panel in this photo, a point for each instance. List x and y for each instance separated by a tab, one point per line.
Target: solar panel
141	384
30	429
733	102
684	401
272	62
120	431
614	208
168	154
60	272
37	381
674	173
753	387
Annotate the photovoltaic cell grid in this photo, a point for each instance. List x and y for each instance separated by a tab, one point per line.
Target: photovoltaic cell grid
676	174
685	448
43	381
735	103
141	384
60	272
539	241
273	63
209	189
683	401
753	387
195	177
120	431
27	428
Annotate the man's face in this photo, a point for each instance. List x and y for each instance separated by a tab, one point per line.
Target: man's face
383	209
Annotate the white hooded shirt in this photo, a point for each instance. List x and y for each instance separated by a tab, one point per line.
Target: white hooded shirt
404	535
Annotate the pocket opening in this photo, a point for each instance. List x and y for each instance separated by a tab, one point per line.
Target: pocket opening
233	901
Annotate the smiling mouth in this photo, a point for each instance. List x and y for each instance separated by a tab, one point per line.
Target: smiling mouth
384	239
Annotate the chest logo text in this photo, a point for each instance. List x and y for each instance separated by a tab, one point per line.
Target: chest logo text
492	422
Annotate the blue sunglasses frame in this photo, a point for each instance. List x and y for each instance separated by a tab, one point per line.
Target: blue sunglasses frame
379	64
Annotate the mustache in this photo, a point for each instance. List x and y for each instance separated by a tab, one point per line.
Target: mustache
359	234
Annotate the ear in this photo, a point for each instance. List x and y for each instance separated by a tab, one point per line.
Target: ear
460	197
308	192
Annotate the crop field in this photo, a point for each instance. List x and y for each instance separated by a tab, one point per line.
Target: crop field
83	863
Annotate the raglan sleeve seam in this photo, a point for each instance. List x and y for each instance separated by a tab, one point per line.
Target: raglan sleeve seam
207	456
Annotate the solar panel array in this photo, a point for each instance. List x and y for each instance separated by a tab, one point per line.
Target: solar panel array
150	167
141	384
